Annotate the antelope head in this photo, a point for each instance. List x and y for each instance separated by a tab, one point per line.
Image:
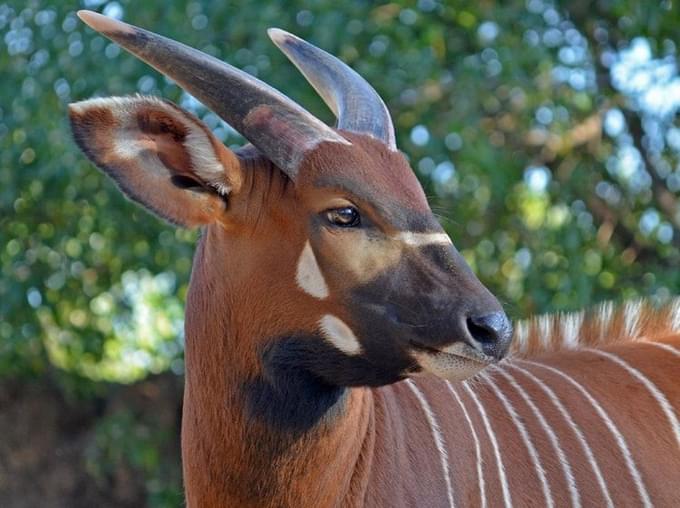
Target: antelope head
318	244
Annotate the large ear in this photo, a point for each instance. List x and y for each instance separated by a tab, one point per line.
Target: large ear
159	155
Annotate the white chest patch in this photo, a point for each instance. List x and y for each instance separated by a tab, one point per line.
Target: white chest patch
309	276
340	335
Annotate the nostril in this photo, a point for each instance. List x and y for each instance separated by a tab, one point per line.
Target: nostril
492	331
480	331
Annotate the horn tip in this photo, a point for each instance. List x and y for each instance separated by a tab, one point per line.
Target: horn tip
103	24
280	37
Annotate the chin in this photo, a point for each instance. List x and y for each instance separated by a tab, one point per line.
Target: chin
450	366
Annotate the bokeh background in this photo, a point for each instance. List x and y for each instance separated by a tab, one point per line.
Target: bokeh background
544	132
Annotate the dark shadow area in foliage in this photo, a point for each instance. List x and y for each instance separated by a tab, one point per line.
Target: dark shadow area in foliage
121	450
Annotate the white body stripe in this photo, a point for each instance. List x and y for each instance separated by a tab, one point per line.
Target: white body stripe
533	454
554	441
309	276
651	387
340	335
620	441
572	424
438	439
507	499
478	449
666	347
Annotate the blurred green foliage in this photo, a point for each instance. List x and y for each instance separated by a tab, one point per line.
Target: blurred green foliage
544	132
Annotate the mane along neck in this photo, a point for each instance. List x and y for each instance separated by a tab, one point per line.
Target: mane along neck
606	323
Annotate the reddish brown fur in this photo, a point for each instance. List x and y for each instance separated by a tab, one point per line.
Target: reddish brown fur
636	414
380	452
382	437
368	165
377	448
222	354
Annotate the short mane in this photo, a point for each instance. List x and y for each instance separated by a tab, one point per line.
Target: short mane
606	323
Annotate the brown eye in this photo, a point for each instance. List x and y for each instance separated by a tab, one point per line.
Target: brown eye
345	217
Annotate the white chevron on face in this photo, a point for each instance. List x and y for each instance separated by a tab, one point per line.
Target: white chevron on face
308	276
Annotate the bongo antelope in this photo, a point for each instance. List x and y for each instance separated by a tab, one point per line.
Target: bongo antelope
331	325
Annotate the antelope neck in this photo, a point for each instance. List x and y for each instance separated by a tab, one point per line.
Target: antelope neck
256	430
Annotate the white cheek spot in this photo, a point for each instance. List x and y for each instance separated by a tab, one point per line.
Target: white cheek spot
423	239
309	276
340	335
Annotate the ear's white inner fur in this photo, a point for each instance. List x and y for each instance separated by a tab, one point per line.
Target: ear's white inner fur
127	144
